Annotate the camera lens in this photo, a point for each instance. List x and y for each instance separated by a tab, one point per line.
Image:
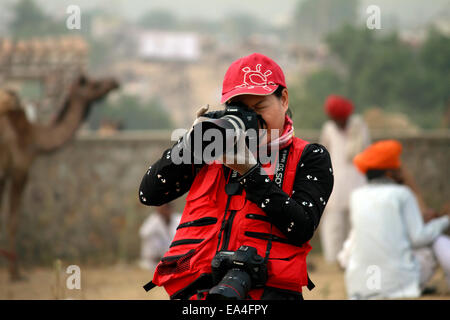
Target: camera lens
234	286
229	128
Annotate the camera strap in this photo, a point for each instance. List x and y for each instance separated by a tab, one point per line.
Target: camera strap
278	178
281	167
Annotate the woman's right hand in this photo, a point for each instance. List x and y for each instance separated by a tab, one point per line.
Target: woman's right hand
199	114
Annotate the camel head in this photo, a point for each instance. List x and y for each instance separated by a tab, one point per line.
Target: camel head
9	101
88	90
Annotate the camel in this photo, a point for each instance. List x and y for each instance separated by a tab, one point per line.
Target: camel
22	141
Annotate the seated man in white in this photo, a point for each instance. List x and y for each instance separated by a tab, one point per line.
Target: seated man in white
156	234
391	252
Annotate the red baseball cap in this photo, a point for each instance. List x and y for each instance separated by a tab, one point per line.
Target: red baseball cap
254	74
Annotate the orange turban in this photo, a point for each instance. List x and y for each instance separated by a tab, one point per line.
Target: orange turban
381	155
338	107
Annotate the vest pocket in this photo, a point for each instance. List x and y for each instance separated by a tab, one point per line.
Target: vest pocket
185	241
260	217
287	273
175	264
265	236
286	265
205	221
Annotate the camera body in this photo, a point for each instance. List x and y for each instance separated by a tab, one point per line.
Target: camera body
249	119
236	272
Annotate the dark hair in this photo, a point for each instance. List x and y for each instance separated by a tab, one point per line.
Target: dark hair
373	174
278	93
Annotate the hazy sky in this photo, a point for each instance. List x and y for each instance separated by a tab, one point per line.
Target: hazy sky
272	11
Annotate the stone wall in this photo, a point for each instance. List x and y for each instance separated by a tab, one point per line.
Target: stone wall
81	204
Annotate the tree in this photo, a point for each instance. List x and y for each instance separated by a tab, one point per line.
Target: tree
307	99
30	21
434	56
315	18
381	70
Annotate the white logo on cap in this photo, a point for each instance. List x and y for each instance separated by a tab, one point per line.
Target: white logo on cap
255	77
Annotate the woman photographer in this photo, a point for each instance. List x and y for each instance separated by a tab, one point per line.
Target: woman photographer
239	204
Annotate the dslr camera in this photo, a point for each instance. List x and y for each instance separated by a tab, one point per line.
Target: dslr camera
236	116
234	273
232	122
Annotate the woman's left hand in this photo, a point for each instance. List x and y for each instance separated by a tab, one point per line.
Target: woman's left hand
241	161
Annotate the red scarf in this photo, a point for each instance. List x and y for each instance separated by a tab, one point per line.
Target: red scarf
286	137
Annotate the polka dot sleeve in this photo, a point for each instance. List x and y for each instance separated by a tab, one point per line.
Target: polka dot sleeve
165	181
297	216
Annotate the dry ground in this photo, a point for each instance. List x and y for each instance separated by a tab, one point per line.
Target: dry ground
125	282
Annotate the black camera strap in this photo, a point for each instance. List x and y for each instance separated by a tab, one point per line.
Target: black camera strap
231	188
278	178
281	167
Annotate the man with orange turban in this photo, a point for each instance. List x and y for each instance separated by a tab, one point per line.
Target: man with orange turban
391	252
380	156
344	135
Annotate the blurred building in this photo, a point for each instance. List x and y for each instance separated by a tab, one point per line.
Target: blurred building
185	70
169	46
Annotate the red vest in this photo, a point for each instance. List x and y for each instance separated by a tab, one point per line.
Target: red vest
196	240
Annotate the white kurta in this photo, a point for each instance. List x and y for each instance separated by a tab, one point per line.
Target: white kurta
342	145
386	228
156	237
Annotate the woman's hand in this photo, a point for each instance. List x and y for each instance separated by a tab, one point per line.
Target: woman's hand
241	161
